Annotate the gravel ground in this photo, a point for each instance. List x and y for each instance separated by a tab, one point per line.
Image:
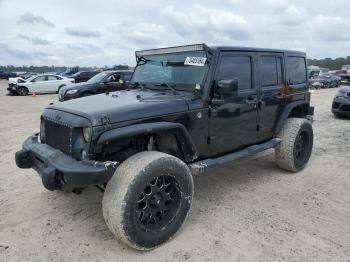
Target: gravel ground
249	210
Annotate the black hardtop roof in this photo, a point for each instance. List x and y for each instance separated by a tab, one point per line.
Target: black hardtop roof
194	47
256	49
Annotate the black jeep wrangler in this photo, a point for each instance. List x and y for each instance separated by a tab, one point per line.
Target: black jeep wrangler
187	109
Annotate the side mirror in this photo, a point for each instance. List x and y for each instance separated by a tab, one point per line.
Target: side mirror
121	81
227	87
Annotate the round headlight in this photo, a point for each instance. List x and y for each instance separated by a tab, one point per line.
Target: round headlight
87	133
42	131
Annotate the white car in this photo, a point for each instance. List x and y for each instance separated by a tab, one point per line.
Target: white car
45	83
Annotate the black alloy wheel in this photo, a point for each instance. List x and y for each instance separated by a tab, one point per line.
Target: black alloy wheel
158	203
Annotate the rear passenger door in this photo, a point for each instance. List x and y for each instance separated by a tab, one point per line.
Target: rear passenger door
271	80
52	83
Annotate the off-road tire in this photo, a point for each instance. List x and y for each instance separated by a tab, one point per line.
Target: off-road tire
123	191
287	153
22	91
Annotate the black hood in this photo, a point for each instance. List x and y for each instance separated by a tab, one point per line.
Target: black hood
124	105
79	86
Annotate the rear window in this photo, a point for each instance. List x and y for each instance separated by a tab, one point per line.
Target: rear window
296	70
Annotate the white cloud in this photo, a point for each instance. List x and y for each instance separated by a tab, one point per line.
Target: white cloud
106	33
331	28
31	19
293	16
207	22
82	32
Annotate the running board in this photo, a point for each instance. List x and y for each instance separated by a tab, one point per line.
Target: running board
202	165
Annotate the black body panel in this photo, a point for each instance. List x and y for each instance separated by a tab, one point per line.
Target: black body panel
237	108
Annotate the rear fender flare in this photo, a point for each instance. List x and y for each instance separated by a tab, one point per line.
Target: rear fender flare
306	110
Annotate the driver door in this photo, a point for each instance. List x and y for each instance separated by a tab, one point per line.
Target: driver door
233	122
39	84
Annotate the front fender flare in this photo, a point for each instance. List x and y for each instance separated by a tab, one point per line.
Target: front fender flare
180	131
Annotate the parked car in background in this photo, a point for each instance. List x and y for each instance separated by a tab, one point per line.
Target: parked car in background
345	79
70	71
341	102
45	83
325	81
315	72
106	81
7	75
14	80
83	76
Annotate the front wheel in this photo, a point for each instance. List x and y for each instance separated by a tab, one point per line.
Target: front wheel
147	199
294	151
22	91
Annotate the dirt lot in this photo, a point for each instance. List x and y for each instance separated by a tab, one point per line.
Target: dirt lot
248	211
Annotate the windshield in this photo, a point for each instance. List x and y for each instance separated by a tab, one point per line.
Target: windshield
76	74
97	78
182	70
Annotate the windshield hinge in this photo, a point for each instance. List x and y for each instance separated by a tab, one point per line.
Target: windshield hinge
106	122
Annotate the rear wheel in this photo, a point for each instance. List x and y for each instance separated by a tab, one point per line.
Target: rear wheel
294	151
22	91
148	199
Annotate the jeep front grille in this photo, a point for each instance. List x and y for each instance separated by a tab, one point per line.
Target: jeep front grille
58	135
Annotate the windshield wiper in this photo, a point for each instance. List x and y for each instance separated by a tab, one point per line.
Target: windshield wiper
171	87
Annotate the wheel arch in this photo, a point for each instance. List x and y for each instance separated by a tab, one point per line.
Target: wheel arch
298	109
184	141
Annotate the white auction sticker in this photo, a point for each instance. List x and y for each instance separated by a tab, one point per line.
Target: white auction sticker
195	61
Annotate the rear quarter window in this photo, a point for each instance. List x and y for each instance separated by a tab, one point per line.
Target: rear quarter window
296	70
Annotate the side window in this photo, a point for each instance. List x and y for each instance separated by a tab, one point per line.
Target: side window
296	70
113	78
51	78
39	79
270	71
236	67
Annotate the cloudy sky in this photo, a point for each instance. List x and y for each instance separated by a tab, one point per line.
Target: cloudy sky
107	32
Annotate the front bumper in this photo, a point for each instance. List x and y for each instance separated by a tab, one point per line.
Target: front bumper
341	105
12	88
60	171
